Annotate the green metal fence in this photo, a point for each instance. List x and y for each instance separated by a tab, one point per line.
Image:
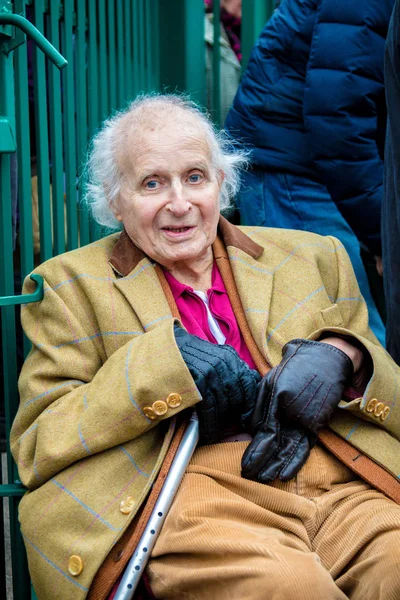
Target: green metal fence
64	66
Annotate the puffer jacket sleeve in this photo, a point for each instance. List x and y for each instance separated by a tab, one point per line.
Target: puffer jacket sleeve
344	108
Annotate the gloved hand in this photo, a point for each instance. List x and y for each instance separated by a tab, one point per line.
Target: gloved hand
225	382
295	400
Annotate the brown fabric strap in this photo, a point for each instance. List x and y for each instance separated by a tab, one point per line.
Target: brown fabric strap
365	468
120	554
168	293
224	265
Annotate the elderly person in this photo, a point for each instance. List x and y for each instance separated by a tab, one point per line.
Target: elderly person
292	492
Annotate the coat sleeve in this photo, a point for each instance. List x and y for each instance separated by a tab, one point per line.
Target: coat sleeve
384	385
344	109
76	402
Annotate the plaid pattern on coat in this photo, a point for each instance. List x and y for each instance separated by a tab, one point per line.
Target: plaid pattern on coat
104	349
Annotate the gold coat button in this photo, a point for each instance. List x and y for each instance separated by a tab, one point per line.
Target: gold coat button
160	407
127	505
149	412
371	405
75	565
174	400
385	413
379	408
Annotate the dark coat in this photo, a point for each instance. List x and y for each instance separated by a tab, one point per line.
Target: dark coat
391	200
311	102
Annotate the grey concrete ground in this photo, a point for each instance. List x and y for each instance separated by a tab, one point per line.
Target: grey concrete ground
7	543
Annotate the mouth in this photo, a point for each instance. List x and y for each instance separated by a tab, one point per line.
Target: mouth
177	231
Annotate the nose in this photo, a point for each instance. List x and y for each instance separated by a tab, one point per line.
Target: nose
178	201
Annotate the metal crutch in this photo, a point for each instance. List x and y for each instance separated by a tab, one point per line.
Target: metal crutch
137	563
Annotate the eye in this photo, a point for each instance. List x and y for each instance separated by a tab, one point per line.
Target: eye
151	184
195	178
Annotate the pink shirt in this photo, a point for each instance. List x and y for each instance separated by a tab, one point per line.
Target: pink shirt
194	314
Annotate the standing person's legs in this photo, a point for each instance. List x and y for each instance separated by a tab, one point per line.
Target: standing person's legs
271	199
229	538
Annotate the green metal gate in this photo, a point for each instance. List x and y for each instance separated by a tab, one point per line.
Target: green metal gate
64	66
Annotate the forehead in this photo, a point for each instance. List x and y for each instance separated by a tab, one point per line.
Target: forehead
172	145
171	151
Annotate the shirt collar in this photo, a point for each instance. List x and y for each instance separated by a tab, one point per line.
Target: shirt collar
125	255
178	288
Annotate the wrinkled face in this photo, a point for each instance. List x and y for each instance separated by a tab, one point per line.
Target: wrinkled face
169	204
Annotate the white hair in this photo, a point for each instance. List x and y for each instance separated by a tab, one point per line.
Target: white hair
103	174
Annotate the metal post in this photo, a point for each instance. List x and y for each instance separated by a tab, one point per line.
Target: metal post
69	126
182	47
55	127
216	63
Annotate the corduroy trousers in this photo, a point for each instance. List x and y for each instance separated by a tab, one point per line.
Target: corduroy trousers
325	535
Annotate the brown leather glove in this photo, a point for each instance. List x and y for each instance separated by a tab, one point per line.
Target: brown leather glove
295	400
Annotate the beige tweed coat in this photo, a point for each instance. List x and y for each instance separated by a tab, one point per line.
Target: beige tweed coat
104	350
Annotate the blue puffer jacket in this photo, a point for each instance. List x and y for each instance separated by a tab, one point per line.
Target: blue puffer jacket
311	102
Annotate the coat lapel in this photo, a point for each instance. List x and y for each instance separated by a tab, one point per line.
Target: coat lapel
254	282
253	278
143	291
139	283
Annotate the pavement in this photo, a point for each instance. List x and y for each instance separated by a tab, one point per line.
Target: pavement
7	542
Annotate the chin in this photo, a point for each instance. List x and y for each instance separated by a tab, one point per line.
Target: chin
182	256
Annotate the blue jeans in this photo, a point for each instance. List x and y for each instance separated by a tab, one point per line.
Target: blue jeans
289	201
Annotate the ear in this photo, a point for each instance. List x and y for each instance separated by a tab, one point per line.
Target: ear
112	204
116	212
220	177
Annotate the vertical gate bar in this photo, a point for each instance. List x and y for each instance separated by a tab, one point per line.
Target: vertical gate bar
182	57
156	45
104	88
9	367
7	257
152	38
69	126
140	38
20	574
255	14
216	63
92	70
24	167
22	126
81	114
121	84
55	127
135	46
195	72
42	139
112	70
93	86
148	34
128	50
